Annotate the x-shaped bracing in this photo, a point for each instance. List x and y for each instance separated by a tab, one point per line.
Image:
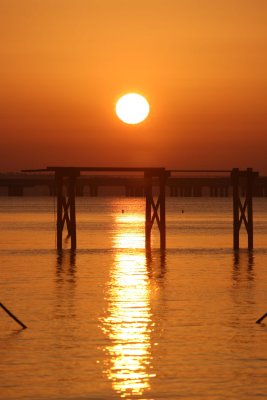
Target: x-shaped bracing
243	216
66	217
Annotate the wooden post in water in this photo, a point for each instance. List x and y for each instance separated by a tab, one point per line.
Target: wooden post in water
149	199
13	316
59	191
66	206
72	231
243	212
249	195
235	180
66	177
162	196
155	209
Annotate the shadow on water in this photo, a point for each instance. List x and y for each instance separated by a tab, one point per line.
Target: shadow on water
66	264
156	265
65	279
243	291
243	266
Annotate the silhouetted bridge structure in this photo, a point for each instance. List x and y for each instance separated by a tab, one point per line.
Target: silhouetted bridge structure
66	179
181	186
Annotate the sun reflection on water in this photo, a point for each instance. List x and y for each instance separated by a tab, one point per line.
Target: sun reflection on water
129	322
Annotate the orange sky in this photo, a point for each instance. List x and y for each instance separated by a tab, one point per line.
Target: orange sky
201	64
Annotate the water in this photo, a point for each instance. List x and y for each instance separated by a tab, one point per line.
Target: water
113	322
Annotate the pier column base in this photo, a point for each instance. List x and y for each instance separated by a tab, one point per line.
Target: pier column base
155	207
66	212
243	211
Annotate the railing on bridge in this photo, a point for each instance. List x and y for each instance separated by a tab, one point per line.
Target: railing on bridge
181	184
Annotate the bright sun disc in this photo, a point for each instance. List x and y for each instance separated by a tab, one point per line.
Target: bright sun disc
132	108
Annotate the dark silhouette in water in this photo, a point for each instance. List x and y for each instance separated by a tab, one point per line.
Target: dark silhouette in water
13	316
261	318
155	208
242	211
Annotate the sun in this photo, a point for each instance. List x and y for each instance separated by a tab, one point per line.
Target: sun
132	108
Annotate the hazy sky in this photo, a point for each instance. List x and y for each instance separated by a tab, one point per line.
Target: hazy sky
201	64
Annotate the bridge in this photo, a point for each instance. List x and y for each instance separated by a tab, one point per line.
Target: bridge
66	179
131	186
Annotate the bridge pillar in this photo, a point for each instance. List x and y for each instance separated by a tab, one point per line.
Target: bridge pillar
79	189
155	208
243	212
197	191
211	191
93	190
128	191
66	212
52	189
188	191
15	190
175	191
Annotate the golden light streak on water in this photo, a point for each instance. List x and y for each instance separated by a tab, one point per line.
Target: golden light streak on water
129	321
192	325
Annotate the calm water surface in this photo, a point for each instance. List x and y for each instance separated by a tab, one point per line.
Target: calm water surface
112	321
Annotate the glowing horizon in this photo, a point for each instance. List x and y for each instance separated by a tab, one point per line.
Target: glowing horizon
202	68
